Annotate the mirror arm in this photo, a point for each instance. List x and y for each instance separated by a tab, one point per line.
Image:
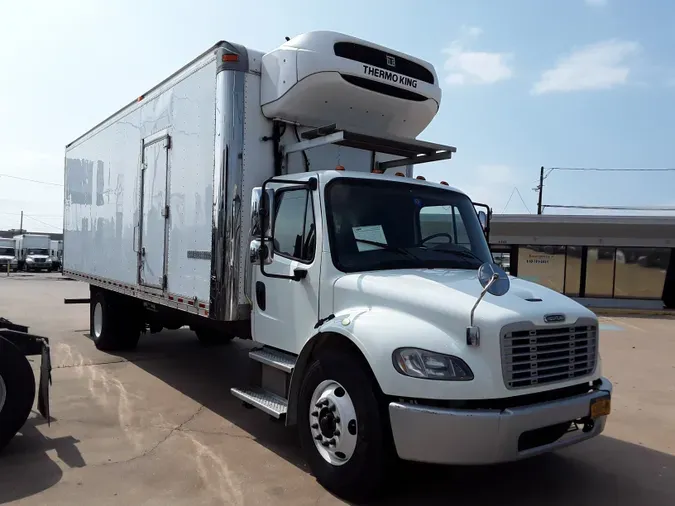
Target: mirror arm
494	278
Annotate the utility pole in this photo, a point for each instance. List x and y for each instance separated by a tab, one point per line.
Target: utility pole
540	188
21	225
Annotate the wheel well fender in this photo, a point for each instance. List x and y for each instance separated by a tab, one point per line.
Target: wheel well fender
334	339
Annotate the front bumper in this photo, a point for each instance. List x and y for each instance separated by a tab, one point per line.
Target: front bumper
462	436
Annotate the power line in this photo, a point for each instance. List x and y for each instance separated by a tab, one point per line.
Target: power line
509	201
44	223
522	200
617	208
31	180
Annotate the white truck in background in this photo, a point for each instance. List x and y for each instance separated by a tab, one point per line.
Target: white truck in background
33	252
270	196
8	260
56	254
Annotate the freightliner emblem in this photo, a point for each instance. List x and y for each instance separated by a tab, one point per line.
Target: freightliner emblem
554	318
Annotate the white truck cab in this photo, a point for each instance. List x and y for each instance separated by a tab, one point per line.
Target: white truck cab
8	259
33	252
271	196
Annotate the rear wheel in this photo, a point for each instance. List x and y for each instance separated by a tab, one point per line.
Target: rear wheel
17	391
342	432
111	329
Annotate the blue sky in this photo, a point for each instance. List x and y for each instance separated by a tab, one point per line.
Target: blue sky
526	83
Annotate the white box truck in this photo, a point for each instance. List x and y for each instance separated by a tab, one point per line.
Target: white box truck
33	252
8	260
56	253
271	196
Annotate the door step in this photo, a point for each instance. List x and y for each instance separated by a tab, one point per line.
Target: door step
260	398
278	359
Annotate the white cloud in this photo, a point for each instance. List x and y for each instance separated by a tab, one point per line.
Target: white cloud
465	66
598	66
596	3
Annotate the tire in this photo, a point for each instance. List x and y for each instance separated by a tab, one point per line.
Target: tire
111	328
17	391
363	474
210	337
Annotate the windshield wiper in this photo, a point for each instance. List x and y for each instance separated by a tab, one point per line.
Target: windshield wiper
463	253
389	247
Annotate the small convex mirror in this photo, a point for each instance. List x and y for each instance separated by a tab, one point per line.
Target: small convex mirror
500	285
482	217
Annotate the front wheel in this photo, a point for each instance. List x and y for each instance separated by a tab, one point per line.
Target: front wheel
342	432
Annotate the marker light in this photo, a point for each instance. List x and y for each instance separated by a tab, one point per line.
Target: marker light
422	178
230	57
401	174
445	183
339	167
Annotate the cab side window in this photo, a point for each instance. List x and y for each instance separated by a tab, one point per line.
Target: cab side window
294	225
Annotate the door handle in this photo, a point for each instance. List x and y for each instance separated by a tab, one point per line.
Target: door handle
299	274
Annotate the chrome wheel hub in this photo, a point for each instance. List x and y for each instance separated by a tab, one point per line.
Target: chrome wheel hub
98	320
333	424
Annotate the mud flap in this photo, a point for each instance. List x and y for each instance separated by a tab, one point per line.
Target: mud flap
31	345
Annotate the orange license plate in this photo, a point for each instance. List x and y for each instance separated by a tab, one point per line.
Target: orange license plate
600	407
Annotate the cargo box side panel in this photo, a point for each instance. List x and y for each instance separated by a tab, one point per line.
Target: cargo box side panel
101	201
103	186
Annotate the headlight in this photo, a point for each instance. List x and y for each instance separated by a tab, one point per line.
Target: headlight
29	260
429	365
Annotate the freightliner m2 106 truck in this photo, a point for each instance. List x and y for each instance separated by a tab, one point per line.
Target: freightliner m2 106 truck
33	252
8	260
271	196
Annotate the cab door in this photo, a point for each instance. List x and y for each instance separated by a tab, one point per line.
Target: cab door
285	292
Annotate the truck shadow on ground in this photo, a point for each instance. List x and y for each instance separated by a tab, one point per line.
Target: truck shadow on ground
32	469
601	471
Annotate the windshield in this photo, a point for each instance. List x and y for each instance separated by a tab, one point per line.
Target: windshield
375	225
37	251
7	252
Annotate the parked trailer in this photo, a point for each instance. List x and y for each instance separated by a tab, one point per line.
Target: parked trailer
17	382
56	254
271	197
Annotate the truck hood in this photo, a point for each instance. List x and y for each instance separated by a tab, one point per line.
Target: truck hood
445	297
37	257
430	309
6	257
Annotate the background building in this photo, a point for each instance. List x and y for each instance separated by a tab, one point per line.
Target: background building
603	260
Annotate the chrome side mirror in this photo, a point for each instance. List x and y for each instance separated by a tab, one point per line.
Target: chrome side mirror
262	219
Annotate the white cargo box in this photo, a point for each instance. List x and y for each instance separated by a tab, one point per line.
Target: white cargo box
322	77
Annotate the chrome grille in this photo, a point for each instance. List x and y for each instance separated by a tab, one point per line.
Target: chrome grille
534	356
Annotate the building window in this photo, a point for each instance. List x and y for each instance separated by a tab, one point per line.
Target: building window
600	272
294	228
573	270
641	272
544	265
502	259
